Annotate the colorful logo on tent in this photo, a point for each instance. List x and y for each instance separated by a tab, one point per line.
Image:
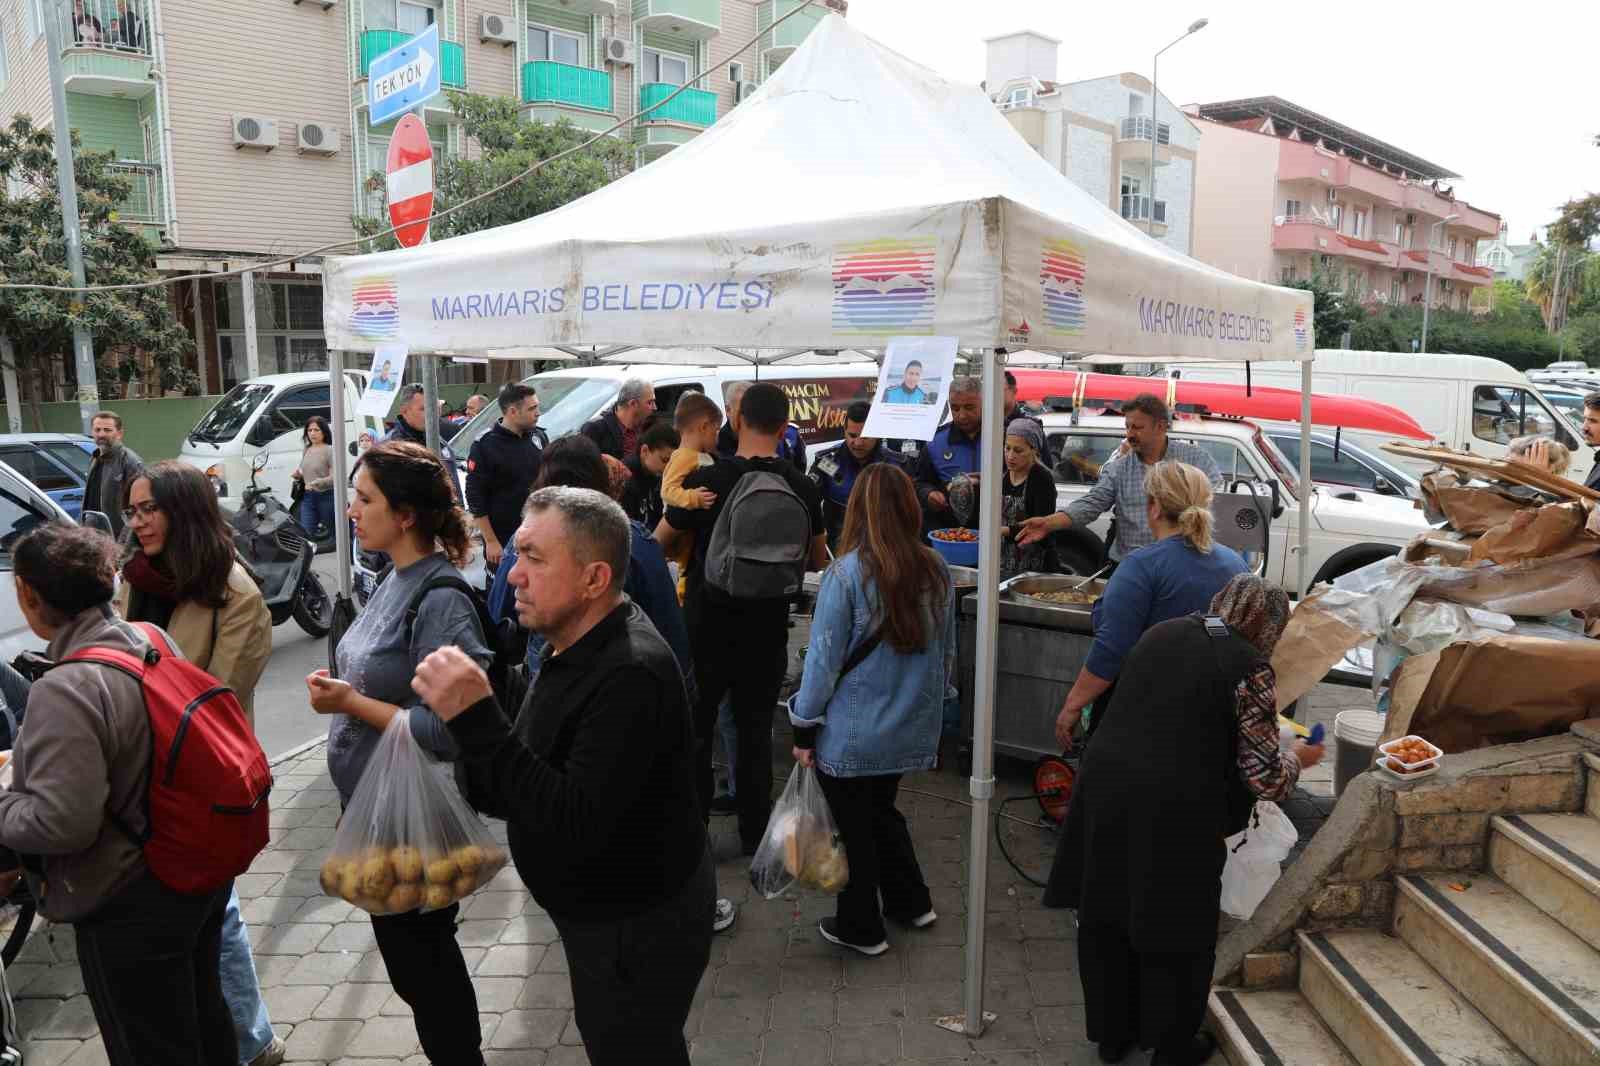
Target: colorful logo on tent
884	286
1061	273
375	309
1302	335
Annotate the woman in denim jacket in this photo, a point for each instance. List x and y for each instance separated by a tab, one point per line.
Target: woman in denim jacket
864	720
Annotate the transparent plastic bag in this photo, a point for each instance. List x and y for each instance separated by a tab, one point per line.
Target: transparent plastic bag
802	843
1255	859
408	840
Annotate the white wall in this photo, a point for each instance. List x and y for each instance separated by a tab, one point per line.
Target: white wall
1020	55
1088	153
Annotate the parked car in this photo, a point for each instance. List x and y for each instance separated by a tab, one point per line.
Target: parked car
1337	463
56	463
1349	527
23	507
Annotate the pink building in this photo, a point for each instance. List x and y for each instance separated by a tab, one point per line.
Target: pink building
1283	192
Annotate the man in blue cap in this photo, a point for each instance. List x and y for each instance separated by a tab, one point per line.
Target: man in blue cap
952	451
836	471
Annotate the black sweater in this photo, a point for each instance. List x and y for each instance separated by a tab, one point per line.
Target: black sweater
501	468
596	779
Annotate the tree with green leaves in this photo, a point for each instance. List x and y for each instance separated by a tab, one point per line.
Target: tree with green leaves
136	336
1333	309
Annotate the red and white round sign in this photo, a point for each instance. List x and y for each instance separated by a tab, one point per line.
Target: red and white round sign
409	175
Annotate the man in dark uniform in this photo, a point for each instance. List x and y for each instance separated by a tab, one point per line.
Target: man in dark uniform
953	450
836	471
501	469
1591	434
790	446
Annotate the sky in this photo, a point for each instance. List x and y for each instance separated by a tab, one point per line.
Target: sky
1509	99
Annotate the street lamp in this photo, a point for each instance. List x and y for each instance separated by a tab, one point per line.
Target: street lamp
1427	288
1194	27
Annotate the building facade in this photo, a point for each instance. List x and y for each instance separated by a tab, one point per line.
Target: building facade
1508	262
244	124
1099	133
1286	193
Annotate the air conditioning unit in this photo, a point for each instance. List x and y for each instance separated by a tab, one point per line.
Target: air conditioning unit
317	139
743	91
618	50
251	131
496	28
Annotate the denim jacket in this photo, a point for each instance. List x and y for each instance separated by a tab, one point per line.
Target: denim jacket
885	717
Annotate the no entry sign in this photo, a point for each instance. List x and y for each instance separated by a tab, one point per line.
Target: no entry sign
409	175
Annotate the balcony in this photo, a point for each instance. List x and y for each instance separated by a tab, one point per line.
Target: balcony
1152	218
452	58
699	19
106	48
1137	128
692	107
782	42
145	203
1302	233
1423	198
547	82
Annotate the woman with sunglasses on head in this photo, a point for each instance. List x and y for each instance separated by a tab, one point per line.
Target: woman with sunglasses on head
404	506
182	575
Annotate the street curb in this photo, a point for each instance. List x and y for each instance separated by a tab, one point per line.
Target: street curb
300	749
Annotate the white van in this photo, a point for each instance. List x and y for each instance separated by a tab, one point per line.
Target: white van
1466	402
266	414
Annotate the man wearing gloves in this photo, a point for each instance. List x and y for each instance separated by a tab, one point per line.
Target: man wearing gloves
595	780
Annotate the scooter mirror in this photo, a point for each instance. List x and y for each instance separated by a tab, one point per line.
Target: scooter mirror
259	462
97	520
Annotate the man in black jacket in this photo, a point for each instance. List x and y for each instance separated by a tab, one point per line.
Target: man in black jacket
1591	434
111	471
616	432
595	781
501	468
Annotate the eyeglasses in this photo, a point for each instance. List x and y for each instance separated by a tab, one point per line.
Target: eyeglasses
149	509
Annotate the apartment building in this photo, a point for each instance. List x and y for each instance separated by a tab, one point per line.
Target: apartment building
1099	133
244	123
1286	192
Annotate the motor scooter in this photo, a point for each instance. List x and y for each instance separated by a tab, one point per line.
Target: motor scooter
277	550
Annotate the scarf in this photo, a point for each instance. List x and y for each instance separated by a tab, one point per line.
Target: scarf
1255	610
142	574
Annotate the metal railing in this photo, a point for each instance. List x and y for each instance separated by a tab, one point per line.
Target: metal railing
106	25
692	107
1137	128
145	202
545	81
1138	209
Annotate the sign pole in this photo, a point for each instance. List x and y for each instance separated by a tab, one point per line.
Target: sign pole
252	345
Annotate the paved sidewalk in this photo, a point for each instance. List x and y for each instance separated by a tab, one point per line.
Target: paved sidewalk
775	994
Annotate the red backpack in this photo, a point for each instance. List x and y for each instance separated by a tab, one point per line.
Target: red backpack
206	811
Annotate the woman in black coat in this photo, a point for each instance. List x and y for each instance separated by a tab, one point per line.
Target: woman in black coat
1188	744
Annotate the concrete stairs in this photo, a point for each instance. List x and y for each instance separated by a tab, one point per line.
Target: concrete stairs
1496	968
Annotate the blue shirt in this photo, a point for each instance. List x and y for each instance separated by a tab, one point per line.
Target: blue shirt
1161	581
901	394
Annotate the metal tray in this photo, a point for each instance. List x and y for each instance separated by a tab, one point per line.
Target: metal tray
1029	585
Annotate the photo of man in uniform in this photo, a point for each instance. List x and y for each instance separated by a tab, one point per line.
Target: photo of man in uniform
910	388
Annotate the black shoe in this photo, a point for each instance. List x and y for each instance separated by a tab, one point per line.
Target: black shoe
724	804
1199	1050
829	927
1115	1052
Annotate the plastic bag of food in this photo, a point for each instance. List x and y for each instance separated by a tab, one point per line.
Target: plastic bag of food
408	841
1255	859
802	842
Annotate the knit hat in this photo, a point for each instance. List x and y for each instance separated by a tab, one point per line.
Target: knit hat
1027	429
1255	610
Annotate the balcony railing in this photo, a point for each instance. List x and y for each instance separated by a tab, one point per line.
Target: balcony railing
1137	128
692	107
1138	209
121	26
145	202
452	59
548	82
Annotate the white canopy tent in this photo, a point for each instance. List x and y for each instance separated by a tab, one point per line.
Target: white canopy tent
854	198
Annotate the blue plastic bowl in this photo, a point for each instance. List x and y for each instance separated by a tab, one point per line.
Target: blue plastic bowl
955	552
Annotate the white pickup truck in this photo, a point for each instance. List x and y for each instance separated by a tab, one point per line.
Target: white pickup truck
1349	527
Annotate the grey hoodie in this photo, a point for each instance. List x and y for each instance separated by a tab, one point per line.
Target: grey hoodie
83	752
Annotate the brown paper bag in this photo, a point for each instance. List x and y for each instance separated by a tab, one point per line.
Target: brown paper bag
1554	531
1311	645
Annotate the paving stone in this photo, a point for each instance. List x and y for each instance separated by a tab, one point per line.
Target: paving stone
48	1052
528	929
937	963
272	969
383	1037
350	936
19	975
728	1017
808	1008
529	1029
351	1001
797	1047
510	960
294	1003
395	1007
57	982
567	1056
480	933
1060	1025
520	1057
555	960
865	1006
320	1041
274	910
755	945
370	968
72	1019
725	1051
570	1036
326	909
322	968
298	938
885	970
748	981
1010	1031
825	974
1005	956
89	1053
866	1045
933	999
496	994
1048	924
1045	956
545	990
494	905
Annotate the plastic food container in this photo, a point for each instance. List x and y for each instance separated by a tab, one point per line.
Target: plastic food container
955	552
1356	732
1411	768
1407	777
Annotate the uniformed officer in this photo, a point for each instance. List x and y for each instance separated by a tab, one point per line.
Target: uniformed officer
836	471
953	450
791	445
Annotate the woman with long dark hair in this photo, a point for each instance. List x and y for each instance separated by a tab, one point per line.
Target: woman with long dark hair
316	476
871	701
405	507
182	575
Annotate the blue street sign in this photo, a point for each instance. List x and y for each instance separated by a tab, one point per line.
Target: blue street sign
402	78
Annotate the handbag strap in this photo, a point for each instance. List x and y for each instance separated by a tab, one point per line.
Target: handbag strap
859	654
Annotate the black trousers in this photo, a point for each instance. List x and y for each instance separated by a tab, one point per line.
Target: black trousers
882	858
743	655
426	968
1154	1000
634	979
150	959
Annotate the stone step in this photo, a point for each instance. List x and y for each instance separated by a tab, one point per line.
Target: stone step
1554	861
1591	794
1272	1027
1528	974
1390	1008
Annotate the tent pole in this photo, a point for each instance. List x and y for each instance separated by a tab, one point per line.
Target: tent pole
341	469
981	786
1302	584
430	400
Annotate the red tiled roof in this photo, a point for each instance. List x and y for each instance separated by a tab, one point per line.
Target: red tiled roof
1420	257
1365	246
1482	272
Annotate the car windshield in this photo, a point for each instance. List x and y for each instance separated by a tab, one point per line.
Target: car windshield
225	420
565	403
1281	466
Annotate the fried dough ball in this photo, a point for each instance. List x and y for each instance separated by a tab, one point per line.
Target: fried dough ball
330	875
438	896
464	886
376	877
407	864
349	880
469	858
442	871
403	897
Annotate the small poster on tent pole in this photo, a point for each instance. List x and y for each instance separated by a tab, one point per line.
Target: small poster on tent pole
913	387
388	370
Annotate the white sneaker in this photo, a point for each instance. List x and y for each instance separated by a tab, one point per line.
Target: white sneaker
271	1055
922	921
723	915
828	928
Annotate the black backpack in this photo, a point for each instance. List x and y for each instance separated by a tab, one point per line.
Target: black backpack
507	643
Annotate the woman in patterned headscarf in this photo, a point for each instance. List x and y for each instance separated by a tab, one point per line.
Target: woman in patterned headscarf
1189	744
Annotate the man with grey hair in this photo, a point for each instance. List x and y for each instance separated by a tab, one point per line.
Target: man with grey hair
791	446
616	430
595	780
953	451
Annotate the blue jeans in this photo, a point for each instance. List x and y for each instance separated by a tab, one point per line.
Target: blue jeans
316	511
730	740
240	990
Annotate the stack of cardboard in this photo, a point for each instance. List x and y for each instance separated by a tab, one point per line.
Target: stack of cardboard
1483	628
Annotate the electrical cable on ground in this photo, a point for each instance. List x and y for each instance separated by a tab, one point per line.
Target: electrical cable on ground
355	242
